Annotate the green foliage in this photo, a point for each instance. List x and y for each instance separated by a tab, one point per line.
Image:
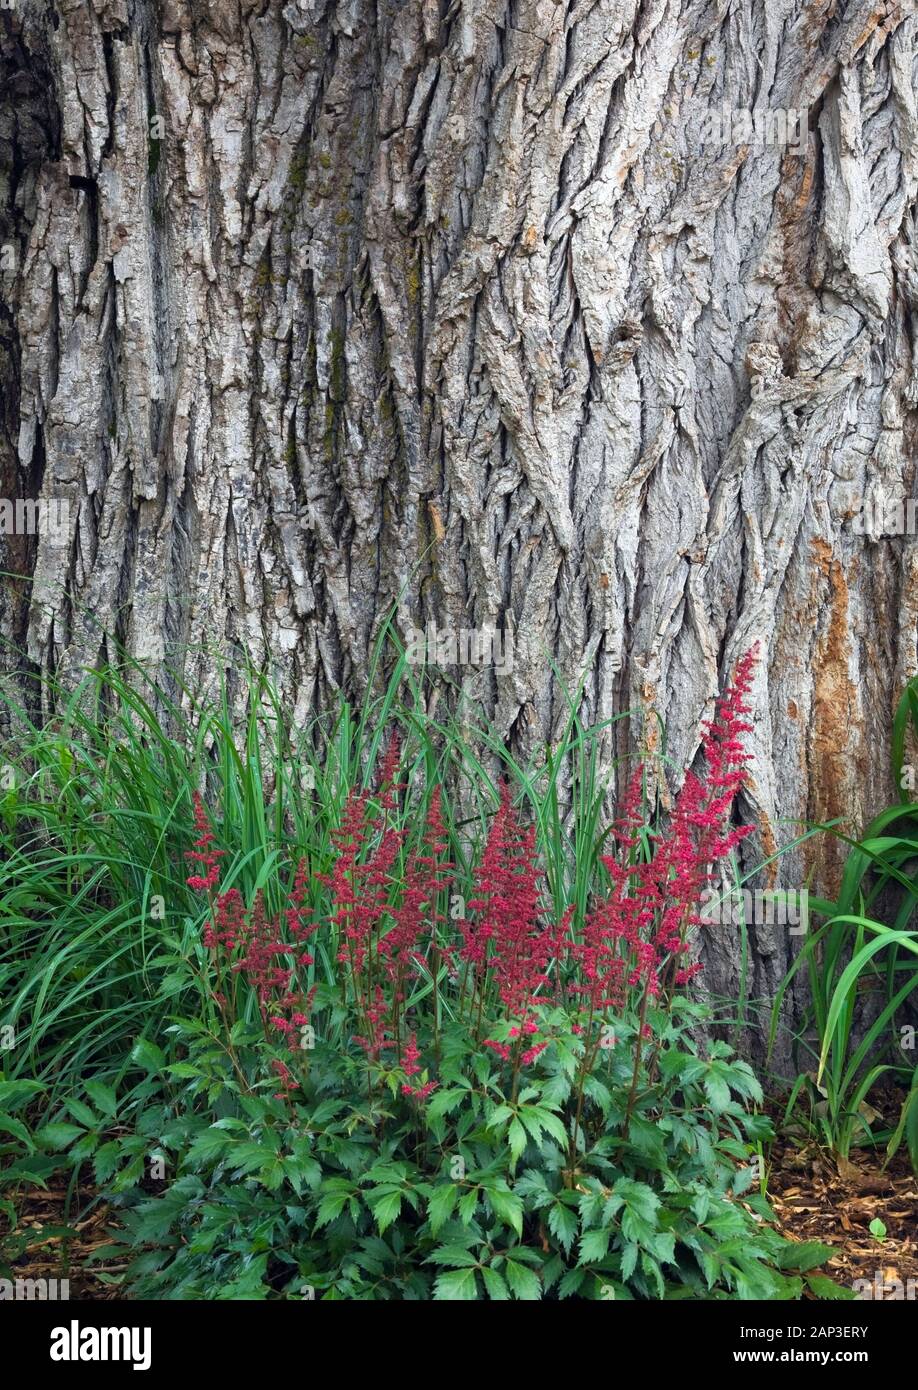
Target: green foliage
631	1177
343	1195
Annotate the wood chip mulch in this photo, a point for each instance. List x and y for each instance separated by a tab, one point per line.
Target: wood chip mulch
817	1197
58	1257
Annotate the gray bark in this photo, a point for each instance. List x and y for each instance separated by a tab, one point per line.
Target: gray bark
319	307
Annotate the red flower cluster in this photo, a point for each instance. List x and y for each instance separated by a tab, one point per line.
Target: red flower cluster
202	853
638	934
636	937
506	940
386	898
410	1067
385	918
232	930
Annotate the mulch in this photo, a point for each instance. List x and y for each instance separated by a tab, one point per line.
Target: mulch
817	1197
59	1257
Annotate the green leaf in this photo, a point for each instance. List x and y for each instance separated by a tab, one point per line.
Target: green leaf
385	1208
494	1284
452	1255
571	1282
106	1160
638	1197
804	1254
518	1140
103	1097
652	1269
148	1056
130	1175
523	1283
562	1222
877	1228
507	1208
210	1145
594	1246
81	1113
824	1287
14	1094
332	1204
717	1091
458	1284
444	1101
9	1125
57	1136
468	1205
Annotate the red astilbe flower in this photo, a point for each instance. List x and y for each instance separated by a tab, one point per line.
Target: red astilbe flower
251	945
297	914
361	881
410	1067
427	875
701	834
202	853
506	940
636	936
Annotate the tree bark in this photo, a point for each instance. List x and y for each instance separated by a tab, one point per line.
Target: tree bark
312	309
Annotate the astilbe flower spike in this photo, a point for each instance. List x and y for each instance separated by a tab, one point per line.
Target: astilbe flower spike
252	946
505	940
634	938
202	852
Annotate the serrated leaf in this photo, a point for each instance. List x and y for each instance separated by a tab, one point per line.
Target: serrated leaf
456	1255
147	1055
824	1287
81	1112
571	1282
385	1208
522	1282
507	1208
468	1204
495	1287
562	1222
594	1246
517	1139
57	1136
14	1094
10	1125
638	1197
331	1206
440	1205
106	1160
456	1285
207	1146
804	1255
103	1097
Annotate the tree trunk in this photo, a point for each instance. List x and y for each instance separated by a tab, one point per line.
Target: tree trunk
506	314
